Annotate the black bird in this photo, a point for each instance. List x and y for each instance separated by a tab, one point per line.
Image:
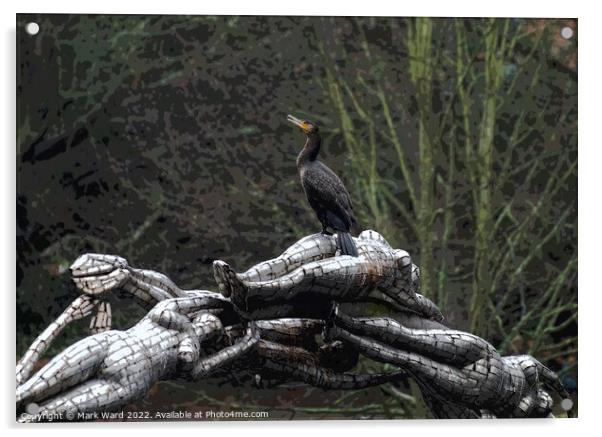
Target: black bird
324	190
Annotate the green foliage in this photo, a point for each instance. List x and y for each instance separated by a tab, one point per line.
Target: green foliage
483	192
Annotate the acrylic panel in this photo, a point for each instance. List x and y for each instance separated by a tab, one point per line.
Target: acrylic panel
276	218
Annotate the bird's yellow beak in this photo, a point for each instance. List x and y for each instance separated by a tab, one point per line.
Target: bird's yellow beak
300	123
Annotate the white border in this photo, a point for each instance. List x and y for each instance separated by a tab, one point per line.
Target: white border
590	184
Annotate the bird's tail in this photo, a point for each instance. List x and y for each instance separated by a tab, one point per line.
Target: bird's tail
346	244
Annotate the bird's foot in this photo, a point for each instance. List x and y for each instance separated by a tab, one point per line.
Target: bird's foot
325	232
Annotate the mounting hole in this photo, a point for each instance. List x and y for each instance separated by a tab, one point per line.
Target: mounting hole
32	28
566	404
32	409
566	32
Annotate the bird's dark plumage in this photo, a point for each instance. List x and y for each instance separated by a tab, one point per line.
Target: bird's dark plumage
324	190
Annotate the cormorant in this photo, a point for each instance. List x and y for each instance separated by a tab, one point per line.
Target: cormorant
324	190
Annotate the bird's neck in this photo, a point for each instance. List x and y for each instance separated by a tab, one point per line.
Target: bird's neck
310	150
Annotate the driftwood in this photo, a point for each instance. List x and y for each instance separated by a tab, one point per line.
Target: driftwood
278	321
